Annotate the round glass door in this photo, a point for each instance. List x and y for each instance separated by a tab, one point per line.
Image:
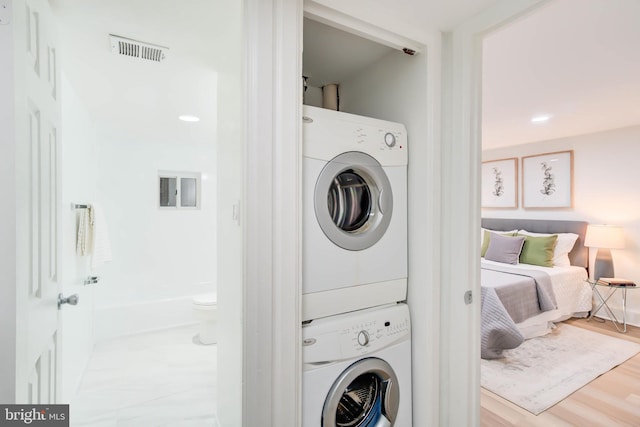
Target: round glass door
365	395
353	201
349	201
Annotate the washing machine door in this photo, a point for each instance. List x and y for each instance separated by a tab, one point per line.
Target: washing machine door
353	201
366	394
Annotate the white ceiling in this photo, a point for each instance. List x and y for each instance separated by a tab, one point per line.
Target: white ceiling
142	98
576	60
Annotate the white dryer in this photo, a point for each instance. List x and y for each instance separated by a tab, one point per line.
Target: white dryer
354	212
357	369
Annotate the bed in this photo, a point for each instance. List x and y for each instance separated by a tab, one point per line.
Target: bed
522	300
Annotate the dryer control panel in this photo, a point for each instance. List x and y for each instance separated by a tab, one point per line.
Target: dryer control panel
328	133
355	334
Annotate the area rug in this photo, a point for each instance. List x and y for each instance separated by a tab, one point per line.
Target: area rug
545	370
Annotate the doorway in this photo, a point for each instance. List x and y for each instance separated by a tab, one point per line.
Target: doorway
120	131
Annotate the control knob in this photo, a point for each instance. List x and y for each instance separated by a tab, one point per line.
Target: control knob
363	338
390	139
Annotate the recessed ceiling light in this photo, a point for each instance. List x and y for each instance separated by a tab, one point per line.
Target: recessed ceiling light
540	119
188	118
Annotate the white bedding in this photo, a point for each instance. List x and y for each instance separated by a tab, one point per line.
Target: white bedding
573	296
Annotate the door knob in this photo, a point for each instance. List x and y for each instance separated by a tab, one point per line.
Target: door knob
71	299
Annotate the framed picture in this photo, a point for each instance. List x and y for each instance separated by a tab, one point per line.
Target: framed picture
547	181
500	184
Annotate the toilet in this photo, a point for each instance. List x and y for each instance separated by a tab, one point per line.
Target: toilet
205	309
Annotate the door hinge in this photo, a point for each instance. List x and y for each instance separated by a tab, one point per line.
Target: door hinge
468	297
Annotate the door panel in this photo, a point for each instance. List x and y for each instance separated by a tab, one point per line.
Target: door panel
41	354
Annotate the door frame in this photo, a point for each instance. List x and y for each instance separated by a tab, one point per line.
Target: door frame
460	220
273	212
9	95
272	263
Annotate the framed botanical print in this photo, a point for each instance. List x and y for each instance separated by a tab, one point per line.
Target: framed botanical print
547	181
499	188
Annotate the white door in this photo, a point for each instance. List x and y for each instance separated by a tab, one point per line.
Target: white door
38	210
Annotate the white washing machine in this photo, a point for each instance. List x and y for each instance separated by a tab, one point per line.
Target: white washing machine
357	369
354	212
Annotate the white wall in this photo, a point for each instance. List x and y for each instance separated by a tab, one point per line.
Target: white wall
606	191
78	140
159	255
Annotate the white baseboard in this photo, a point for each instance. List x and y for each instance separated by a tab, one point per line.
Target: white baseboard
128	319
633	316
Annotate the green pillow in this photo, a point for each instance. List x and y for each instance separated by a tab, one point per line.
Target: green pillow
538	250
487	238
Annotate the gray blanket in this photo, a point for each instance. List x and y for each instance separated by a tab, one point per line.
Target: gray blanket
524	293
510	296
497	331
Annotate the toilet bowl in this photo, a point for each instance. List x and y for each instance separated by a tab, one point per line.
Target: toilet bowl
205	309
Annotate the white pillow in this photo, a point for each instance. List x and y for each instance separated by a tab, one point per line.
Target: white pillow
564	244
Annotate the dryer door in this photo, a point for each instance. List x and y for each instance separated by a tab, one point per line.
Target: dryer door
365	395
353	201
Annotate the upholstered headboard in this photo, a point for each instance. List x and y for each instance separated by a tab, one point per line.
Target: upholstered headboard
578	256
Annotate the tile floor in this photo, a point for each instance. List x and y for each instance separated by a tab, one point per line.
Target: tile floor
158	379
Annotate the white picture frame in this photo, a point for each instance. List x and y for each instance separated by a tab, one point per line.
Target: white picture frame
547	180
499	189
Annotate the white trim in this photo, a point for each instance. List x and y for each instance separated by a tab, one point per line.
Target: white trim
423	290
633	316
8	214
349	24
461	160
272	346
342	300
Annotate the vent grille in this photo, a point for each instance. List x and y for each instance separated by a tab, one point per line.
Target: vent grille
137	49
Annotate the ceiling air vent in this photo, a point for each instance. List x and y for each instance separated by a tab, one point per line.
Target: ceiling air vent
137	49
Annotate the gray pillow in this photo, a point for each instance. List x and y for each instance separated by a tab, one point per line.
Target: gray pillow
505	249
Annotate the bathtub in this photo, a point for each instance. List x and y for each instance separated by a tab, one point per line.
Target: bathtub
133	318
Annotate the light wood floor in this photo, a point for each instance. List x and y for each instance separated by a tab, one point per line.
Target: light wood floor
610	400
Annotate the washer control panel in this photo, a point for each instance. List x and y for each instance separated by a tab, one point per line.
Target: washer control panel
355	334
362	338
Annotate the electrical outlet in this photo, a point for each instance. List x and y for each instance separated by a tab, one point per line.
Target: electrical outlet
5	12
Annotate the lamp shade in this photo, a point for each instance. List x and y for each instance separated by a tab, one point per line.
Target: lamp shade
604	236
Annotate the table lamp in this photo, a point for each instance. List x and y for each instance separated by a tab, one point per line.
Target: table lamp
605	238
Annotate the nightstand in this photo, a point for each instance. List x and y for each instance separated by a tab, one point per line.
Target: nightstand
597	287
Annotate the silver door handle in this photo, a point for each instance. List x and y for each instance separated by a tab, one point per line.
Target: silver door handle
381	202
71	299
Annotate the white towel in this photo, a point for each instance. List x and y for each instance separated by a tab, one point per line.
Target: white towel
83	240
101	247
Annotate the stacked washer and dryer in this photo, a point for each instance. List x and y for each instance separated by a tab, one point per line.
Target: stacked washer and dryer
356	330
